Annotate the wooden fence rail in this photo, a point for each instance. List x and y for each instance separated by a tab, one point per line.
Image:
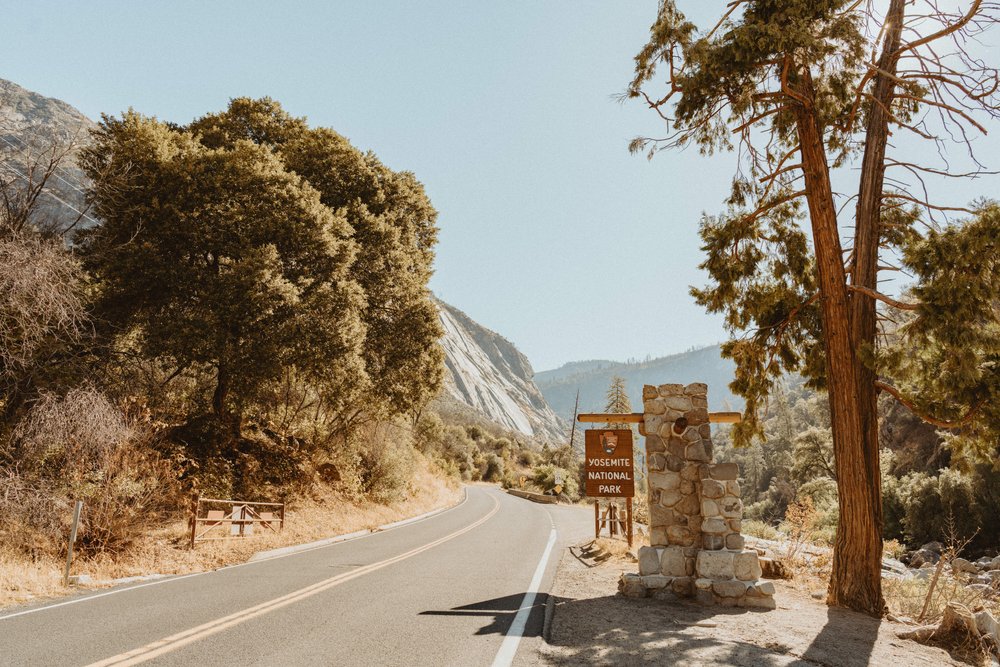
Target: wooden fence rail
240	518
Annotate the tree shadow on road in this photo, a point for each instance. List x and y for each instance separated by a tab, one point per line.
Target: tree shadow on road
503	610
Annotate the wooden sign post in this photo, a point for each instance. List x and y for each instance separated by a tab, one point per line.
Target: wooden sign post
609	469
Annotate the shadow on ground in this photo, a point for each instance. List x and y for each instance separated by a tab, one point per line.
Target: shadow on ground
503	610
614	631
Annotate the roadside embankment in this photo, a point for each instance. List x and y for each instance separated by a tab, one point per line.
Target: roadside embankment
164	550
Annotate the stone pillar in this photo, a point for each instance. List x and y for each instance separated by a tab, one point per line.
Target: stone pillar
695	510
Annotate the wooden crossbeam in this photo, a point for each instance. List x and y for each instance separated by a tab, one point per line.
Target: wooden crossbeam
637	418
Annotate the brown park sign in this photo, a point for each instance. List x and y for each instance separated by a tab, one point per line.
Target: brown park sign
608	463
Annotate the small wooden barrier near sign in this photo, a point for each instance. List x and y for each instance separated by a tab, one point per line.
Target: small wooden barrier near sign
238	519
614	519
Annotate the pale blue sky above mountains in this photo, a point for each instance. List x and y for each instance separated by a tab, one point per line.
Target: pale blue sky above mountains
551	233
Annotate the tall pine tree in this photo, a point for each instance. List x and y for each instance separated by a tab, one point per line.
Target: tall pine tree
791	86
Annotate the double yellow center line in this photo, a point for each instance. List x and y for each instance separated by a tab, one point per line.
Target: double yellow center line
176	641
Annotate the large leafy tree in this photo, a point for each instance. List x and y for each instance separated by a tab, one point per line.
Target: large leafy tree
801	88
219	259
393	226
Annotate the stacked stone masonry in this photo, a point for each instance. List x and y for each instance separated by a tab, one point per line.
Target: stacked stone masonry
696	549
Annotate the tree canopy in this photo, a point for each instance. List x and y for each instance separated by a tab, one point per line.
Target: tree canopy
253	246
220	258
393	224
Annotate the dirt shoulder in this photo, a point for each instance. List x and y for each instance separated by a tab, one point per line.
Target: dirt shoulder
593	625
164	551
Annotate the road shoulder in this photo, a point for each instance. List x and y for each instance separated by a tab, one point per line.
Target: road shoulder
592	624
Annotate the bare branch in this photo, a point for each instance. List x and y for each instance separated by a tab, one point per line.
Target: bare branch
878	296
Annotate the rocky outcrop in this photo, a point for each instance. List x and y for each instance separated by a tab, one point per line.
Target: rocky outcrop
487	373
32	129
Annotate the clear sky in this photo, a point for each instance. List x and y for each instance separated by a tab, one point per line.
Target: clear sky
551	233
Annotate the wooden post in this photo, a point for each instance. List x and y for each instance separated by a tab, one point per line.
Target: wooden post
597	518
77	508
628	518
572	432
281	526
194	517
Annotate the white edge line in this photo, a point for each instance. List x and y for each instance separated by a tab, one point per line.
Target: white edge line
271	554
508	649
261	556
325	543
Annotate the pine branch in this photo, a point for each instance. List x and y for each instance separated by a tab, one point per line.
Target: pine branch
969	416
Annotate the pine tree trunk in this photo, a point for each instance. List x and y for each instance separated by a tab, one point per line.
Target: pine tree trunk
864	273
856	578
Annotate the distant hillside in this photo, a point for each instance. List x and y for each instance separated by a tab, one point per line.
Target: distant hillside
592	378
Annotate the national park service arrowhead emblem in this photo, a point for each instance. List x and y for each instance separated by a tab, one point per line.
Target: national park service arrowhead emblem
609	442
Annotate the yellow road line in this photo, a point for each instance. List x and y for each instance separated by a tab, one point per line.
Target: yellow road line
176	641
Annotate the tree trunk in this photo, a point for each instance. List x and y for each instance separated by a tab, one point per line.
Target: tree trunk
856	580
221	392
864	271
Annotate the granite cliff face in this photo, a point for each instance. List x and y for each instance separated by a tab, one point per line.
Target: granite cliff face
490	375
35	130
592	379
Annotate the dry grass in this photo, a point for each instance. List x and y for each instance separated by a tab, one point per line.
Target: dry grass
164	550
761	529
22	580
618	548
905	597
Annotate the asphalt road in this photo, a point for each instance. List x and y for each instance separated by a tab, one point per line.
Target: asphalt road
456	588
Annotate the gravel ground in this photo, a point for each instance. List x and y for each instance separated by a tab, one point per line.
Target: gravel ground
592	625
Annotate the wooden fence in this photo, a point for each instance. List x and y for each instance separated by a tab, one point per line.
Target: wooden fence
236	518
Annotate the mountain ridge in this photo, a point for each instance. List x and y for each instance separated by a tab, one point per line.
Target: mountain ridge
593	377
34	130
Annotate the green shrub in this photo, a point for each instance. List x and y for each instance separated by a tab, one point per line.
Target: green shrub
429	434
544	477
755	528
929	503
493	468
893	508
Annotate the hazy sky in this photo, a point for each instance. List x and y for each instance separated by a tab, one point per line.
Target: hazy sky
551	233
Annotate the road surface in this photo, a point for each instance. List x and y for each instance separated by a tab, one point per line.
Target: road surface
456	588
